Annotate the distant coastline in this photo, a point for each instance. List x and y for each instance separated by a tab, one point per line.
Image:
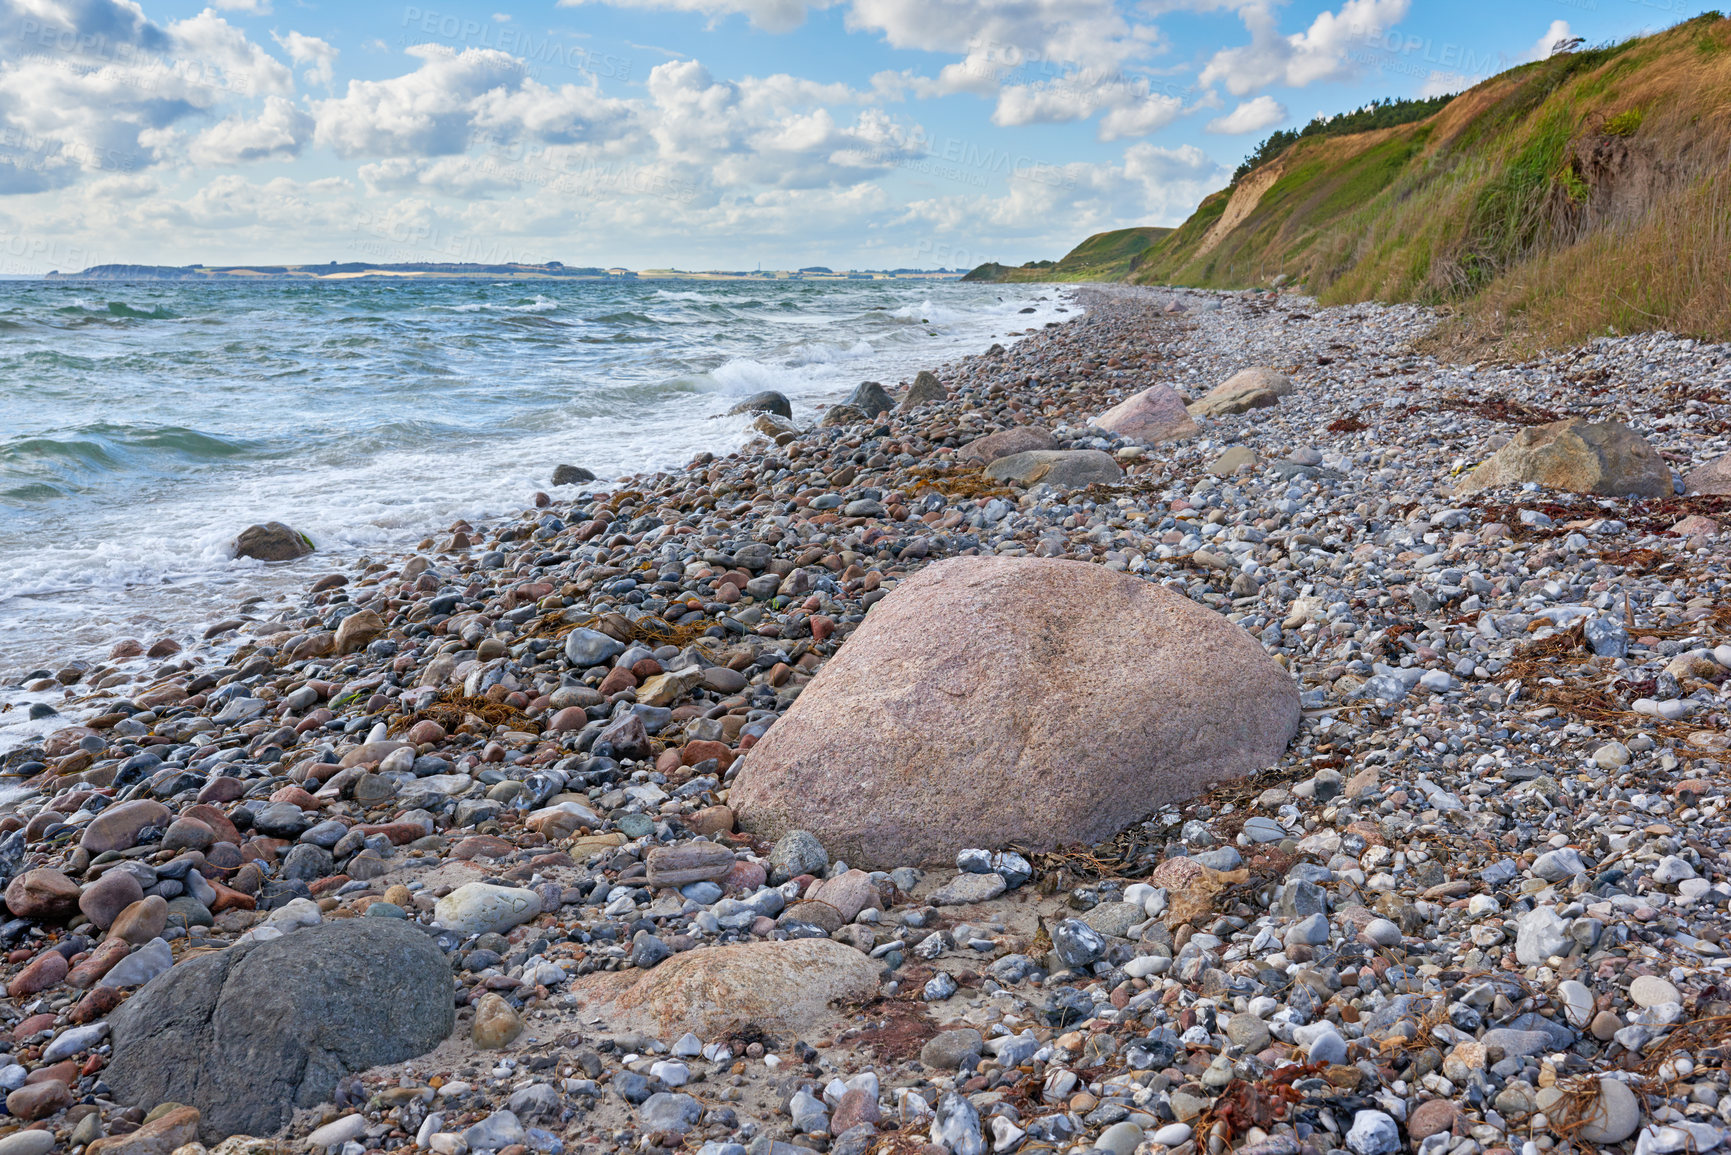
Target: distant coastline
552	270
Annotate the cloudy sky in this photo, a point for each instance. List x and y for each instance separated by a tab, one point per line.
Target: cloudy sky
696	133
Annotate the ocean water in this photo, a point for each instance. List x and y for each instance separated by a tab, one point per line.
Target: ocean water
142	424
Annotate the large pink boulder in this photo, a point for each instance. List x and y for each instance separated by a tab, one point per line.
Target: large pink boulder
990	701
1155	414
1713	477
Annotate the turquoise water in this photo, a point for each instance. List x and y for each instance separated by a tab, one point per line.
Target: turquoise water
143	424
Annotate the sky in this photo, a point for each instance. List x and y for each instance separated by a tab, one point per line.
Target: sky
696	134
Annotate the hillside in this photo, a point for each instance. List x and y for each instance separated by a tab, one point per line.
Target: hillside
1102	257
1573	196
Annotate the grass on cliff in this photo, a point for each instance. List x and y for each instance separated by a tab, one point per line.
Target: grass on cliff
1575	196
1102	257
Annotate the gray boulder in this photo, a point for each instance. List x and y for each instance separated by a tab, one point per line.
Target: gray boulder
926	390
272	541
1579	456
870	399
769	401
571	475
249	1034
844	414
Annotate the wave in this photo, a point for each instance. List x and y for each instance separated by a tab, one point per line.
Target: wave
110	447
536	304
680	295
826	354
122	309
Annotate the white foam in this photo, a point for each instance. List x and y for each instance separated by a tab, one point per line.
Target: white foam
155	557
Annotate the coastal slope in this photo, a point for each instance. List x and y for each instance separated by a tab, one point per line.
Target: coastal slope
1108	256
1565	197
1559	200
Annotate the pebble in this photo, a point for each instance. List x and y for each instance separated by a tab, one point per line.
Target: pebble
27	1143
1613	1115
338	1131
1373	1133
1652	991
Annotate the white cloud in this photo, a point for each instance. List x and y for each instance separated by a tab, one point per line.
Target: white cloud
1330	49
1558	32
215	51
251	7
1140	117
100	88
1130	108
1250	116
997	37
775	132
454	100
317	56
770	15
279	132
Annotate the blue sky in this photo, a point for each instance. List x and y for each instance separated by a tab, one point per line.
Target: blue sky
697	133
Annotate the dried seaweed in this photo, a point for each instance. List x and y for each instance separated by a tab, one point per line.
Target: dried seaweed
1534	662
1500	409
1243	1104
453	710
651	630
971	483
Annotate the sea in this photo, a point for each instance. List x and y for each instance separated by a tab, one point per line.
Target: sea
144	423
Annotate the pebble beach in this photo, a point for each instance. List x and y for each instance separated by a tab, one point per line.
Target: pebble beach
1214	722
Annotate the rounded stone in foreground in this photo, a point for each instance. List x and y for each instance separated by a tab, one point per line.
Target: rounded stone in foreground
248	1034
779	985
1612	1115
483	908
990	701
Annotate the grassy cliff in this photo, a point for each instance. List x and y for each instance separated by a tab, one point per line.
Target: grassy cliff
1102	257
1573	196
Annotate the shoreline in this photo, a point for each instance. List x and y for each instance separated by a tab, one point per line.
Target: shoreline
1505	695
619	420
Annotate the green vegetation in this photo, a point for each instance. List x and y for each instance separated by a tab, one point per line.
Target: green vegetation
1565	198
1569	197
1377	114
1625	123
1102	257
